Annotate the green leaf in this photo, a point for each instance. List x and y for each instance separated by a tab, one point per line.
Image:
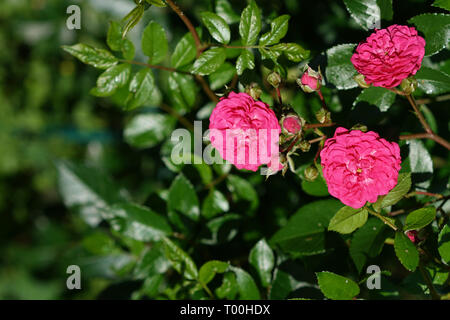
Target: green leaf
185	51
182	197
337	287
183	91
87	190
444	243
250	24
154	43
406	251
305	231
278	29
377	96
114	36
245	61
180	260
111	80
292	51
262	259
157	3
210	269
420	163
247	286
369	13
217	27
317	188
432	81
443	4
420	218
225	10
209	61
214	204
153	261
138	222
128	49
242	189
340	70
148	129
133	18
222	76
396	194
100	243
98	58
348	219
229	287
435	27
367	242
222	229
141	88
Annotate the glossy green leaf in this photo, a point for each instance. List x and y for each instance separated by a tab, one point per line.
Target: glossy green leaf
432	81
406	251
229	288
443	4
435	27
209	61
182	197
245	61
420	218
214	203
305	231
317	188
377	96
114	36
369	13
263	260
185	51
292	51
278	29
87	190
141	88
222	76
158	3
98	58
242	189
348	219
210	269
444	243
337	287
225	10
340	71
154	43
250	24
222	229
138	222
180	260
420	163
148	129
217	27
367	242
151	262
183	91
396	194
100	243
111	80
247	286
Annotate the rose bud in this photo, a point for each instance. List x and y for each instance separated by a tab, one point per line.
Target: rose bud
323	116
408	85
359	78
412	235
291	124
274	79
304	145
360	127
253	90
311	173
311	80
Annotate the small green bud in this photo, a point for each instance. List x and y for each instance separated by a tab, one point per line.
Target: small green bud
408	85
360	127
311	173
304	146
323	116
254	91
361	81
274	79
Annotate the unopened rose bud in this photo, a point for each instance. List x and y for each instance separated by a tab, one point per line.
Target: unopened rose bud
292	124
360	127
304	146
253	90
274	79
361	81
311	80
408	85
323	116
412	235
311	173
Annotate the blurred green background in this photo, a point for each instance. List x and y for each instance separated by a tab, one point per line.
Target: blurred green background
47	114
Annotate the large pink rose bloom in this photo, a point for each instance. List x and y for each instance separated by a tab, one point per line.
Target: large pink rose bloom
358	167
245	132
389	55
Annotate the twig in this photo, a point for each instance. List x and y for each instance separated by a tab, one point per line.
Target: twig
435	99
211	95
419	114
384	219
322	100
152	66
434	195
319	125
317	139
185	122
431	136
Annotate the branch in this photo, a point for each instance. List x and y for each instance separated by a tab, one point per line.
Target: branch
382	218
152	66
419	114
431	136
319	125
180	118
435	99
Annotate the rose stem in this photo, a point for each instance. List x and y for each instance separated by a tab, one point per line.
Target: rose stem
386	221
198	45
280	100
322	100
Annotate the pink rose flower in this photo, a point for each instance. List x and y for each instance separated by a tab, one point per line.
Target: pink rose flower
245	132
389	55
311	80
358	167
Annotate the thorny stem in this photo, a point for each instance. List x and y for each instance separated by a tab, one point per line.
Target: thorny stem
435	195
382	218
419	114
319	125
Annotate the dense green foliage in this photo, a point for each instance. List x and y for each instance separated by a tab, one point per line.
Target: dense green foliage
87	178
